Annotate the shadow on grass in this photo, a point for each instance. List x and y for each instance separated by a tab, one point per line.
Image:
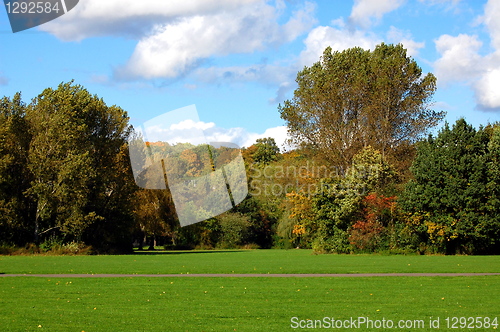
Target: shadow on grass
180	252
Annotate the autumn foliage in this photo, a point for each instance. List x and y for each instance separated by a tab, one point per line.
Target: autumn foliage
378	213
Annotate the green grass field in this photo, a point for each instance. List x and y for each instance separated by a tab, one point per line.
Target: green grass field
240	304
246	261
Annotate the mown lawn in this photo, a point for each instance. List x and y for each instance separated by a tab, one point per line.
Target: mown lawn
246	261
236	304
240	304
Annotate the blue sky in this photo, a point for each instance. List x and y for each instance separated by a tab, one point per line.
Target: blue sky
237	59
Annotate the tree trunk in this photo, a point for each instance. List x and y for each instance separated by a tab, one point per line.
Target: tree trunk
152	243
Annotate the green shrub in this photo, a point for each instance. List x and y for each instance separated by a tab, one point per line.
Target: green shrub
52	243
234	227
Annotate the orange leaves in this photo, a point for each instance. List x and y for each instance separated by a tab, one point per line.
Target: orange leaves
194	165
377	203
299	230
377	213
300	206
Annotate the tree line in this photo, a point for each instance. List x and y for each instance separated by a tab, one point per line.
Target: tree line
364	176
64	170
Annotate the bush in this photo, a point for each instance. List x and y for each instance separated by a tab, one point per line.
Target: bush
48	247
337	243
51	244
250	246
234	227
7	249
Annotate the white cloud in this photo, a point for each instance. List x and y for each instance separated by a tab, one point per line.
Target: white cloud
175	134
338	39
190	124
487	90
236	135
175	48
354	33
199	132
130	18
280	135
176	36
366	13
461	60
490	19
487	87
396	36
244	138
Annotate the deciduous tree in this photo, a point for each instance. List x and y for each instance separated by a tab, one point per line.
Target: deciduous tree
81	179
267	151
14	176
356	98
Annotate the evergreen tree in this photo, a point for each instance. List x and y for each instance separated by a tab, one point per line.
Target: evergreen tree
452	199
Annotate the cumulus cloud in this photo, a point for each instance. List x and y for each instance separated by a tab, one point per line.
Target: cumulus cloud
337	38
178	133
366	13
244	138
461	61
176	36
280	135
490	19
131	18
199	132
396	36
354	32
487	90
174	48
190	124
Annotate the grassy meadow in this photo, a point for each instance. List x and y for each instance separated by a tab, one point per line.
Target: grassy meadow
245	261
239	304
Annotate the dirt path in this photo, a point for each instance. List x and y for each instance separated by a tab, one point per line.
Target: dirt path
254	275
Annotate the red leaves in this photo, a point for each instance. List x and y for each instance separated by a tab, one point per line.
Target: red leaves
377	213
